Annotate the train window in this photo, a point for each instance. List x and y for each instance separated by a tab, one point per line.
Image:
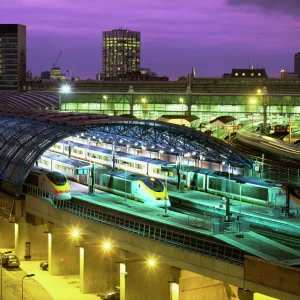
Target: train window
57	178
154	185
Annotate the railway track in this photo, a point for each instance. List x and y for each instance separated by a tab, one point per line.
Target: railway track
280	237
275	162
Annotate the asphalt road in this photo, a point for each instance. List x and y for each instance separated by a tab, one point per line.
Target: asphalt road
12	286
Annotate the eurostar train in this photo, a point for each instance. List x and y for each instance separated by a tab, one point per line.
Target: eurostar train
145	189
255	190
245	188
148	190
53	182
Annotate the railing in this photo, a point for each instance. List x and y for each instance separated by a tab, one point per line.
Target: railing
152	232
155	233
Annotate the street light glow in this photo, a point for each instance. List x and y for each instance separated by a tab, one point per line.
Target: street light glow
181	100
75	233
253	100
65	89
106	246
258	91
144	100
151	262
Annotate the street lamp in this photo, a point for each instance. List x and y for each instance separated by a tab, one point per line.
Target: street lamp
28	275
7	252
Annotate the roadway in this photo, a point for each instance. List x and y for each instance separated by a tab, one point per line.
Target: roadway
42	285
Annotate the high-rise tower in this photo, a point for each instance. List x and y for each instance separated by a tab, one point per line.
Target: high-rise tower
297	63
120	52
12	56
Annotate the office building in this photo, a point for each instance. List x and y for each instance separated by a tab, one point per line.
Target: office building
28	76
45	75
120	52
249	73
12	56
297	63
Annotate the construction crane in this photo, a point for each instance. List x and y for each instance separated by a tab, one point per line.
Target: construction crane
58	56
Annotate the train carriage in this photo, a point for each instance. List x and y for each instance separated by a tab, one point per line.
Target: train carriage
145	189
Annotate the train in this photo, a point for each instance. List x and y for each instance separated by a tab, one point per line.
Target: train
254	190
281	128
55	183
244	188
144	189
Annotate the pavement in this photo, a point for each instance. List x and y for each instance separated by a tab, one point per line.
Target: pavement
42	286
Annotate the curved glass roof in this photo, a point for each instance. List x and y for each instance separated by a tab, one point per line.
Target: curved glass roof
25	136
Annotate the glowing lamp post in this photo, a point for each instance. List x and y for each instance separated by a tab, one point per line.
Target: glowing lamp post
29	275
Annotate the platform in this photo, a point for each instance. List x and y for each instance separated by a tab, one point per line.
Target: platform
251	242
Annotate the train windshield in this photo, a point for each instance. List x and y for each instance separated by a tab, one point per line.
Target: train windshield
154	185
57	178
295	191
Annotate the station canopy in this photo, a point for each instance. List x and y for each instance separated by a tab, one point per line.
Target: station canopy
26	135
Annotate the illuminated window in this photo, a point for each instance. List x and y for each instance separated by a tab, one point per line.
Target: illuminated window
252	74
258	74
236	74
243	74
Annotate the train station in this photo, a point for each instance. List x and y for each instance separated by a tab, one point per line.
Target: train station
208	223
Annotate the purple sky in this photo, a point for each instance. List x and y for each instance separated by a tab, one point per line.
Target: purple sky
213	35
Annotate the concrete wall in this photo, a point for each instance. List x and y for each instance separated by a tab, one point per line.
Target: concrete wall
147	283
197	287
99	270
7	234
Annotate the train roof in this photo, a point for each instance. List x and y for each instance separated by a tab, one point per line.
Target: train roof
70	161
154	161
129	176
42	171
259	181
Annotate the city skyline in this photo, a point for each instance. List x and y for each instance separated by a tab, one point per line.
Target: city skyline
214	38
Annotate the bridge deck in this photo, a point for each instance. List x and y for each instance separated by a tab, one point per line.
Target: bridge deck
252	243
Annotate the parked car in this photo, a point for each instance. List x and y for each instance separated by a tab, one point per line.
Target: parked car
10	260
44	265
113	295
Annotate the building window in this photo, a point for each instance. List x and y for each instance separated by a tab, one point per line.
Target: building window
258	74
252	74
243	74
236	74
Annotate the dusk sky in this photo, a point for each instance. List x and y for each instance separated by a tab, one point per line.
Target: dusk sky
213	35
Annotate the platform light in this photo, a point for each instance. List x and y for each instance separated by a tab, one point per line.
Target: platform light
152	146
144	147
105	97
259	91
194	153
144	100
127	146
136	143
181	100
65	89
172	150
161	151
94	137
253	100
